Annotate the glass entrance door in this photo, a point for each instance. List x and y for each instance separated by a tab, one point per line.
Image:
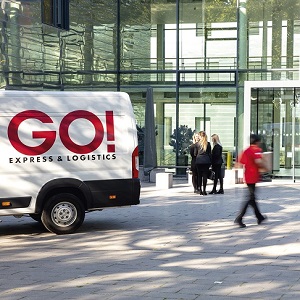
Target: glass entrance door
275	115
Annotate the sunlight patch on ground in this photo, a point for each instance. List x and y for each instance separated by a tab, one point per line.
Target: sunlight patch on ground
274	250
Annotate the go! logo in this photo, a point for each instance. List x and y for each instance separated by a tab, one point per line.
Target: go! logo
63	132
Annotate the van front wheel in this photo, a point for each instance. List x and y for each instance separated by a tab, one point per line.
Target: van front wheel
63	213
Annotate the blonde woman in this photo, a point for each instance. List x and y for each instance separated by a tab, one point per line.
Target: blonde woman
193	162
216	162
203	161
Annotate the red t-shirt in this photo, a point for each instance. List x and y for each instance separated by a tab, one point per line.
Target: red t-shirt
248	157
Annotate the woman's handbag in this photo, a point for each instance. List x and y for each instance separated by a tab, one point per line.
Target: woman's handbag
211	174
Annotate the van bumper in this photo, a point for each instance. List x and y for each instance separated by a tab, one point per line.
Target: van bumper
111	193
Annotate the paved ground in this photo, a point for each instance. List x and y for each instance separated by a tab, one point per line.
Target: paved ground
174	245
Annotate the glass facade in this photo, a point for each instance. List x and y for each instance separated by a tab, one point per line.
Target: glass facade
275	115
195	54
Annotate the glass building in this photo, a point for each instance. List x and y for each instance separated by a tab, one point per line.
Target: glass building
229	67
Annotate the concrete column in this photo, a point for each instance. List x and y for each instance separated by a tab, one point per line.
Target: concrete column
290	41
160	50
88	52
288	135
160	131
277	38
15	58
242	64
276	137
242	35
264	62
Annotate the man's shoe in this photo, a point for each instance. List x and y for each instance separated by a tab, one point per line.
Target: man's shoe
240	223
220	192
262	220
204	193
212	192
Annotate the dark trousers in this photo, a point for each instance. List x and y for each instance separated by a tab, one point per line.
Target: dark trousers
218	176
194	174
202	172
195	179
250	201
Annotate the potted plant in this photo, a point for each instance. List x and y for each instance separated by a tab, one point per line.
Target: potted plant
181	139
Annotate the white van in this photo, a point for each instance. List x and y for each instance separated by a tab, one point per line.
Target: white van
66	153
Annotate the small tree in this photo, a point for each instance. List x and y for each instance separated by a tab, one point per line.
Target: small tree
184	136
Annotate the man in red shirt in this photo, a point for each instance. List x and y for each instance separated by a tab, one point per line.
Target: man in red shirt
251	158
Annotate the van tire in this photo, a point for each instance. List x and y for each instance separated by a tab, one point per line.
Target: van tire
63	213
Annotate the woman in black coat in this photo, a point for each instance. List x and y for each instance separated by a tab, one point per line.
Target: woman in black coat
193	163
216	162
203	161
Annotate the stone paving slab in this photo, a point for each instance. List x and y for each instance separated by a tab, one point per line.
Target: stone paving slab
174	245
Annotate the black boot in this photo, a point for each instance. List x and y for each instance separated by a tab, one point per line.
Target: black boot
220	191
214	191
239	222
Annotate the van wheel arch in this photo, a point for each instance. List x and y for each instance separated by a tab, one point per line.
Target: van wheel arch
63	185
36	217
